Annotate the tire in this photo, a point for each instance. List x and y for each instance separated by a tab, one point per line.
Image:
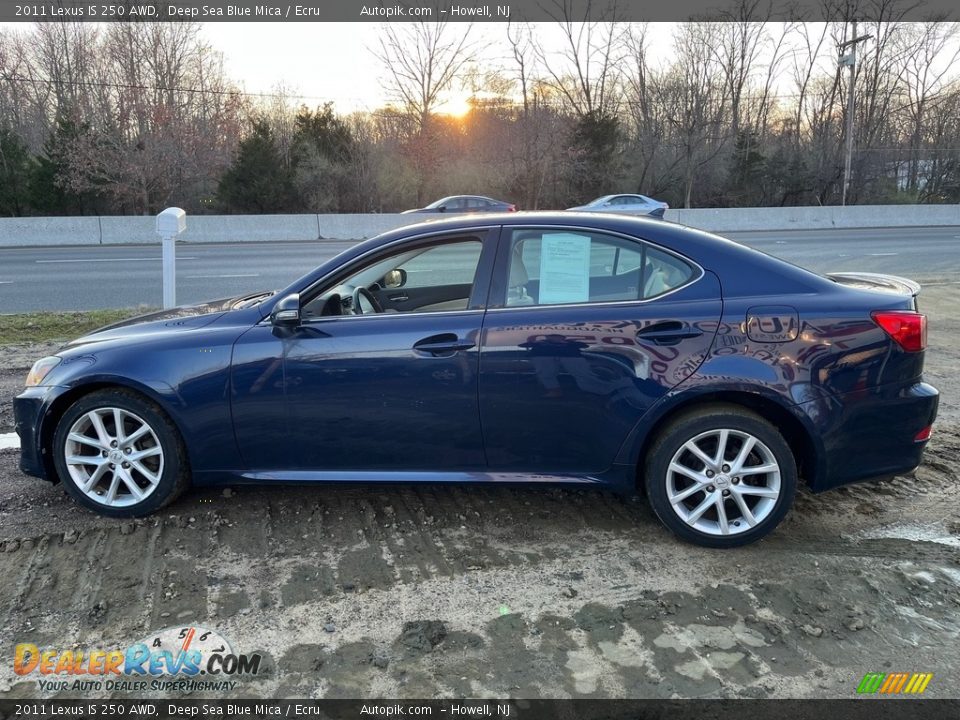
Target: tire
711	506
130	474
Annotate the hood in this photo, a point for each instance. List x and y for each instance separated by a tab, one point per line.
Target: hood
178	319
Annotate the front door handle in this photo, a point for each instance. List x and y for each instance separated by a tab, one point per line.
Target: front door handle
443	344
669	332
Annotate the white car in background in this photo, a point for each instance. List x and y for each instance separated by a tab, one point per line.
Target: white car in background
626	204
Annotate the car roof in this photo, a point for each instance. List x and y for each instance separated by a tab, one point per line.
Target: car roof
477	197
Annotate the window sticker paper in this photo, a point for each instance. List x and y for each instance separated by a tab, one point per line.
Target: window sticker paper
564	268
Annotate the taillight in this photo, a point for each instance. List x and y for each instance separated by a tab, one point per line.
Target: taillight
924	434
512	208
908	329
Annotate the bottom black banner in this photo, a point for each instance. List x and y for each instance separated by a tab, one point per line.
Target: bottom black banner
859	709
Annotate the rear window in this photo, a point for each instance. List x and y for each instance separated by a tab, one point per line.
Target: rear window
559	266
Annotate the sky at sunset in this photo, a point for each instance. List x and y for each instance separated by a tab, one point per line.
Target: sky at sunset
336	62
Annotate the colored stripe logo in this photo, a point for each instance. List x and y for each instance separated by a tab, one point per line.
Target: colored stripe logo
894	683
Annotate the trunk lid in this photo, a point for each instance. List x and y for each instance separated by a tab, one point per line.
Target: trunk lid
877	282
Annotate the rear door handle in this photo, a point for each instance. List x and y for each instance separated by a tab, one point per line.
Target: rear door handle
669	332
444	344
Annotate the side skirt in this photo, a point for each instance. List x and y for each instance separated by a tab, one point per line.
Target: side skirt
619	478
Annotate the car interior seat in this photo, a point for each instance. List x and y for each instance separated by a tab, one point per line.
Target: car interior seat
656	282
517	289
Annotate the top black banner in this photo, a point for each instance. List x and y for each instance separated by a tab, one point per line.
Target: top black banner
475	10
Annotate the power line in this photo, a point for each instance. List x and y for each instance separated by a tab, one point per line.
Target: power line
933	101
160	88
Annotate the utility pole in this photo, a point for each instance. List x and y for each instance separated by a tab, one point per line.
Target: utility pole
850	60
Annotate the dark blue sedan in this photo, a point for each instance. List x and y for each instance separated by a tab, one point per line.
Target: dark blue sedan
589	349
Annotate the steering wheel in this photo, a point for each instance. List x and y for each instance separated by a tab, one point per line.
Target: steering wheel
361	293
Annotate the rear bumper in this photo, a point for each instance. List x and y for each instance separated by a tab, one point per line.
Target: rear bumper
871	434
28	411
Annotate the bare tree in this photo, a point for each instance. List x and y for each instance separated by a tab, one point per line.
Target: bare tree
740	39
586	71
536	120
158	123
694	104
647	124
423	60
932	52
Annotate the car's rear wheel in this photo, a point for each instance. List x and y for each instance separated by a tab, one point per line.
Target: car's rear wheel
118	454
721	476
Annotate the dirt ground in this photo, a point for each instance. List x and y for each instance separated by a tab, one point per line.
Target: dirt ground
424	591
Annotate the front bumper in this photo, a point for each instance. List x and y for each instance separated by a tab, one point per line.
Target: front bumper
29	409
871	434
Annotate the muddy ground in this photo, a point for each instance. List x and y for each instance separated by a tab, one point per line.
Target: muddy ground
489	592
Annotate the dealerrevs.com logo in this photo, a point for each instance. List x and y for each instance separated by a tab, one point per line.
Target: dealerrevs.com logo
174	659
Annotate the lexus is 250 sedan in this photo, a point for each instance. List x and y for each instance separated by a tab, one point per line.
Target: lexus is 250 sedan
598	350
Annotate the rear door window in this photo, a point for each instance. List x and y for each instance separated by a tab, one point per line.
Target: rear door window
560	266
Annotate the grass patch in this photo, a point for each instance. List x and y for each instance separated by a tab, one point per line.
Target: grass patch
46	326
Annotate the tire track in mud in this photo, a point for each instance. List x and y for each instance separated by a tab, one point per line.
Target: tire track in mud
888	548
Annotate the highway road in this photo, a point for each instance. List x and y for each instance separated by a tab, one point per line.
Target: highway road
82	278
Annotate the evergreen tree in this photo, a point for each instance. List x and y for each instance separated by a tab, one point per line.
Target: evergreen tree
321	157
258	181
595	163
325	131
50	193
16	166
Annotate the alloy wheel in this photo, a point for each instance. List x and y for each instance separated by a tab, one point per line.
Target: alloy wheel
723	482
113	456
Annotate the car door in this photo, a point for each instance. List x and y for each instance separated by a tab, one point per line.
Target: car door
585	332
387	391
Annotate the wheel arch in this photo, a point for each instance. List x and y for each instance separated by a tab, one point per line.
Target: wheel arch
62	402
798	435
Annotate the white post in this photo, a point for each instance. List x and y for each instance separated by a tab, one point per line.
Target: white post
170	223
169	273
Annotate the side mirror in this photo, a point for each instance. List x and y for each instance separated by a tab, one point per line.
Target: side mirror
442	208
395	279
286	312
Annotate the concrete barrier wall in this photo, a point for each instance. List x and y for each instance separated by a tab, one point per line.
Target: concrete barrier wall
114	230
29	232
816	218
214	229
23	232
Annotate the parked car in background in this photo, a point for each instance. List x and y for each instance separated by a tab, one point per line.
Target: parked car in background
627	204
465	204
601	351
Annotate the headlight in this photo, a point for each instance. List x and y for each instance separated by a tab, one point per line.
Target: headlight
41	368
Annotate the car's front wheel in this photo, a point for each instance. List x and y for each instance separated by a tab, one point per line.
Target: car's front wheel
118	454
721	476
